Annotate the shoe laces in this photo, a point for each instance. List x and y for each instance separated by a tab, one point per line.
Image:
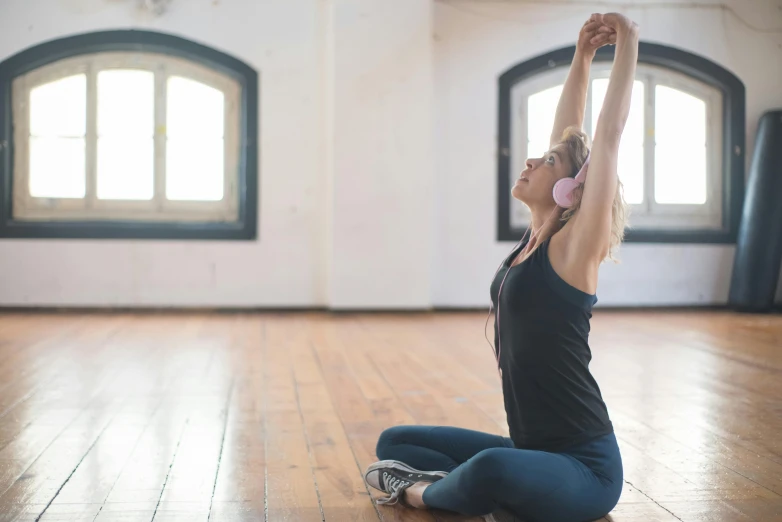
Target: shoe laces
395	486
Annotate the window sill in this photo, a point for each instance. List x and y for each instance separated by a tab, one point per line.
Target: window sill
649	235
127	230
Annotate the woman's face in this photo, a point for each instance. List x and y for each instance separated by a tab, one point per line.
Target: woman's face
535	185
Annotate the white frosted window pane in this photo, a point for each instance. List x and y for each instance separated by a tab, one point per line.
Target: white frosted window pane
126	103
680	152
537	149
634	128
194	169
541	108
194	110
680	118
57	167
631	172
59	108
125	168
680	174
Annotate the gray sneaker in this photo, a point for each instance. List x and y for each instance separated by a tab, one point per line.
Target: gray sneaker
501	515
394	477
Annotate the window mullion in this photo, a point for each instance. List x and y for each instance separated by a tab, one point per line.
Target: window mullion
519	149
649	146
589	124
230	178
91	141
160	137
714	147
22	137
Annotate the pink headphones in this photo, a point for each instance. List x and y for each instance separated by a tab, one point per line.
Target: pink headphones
563	189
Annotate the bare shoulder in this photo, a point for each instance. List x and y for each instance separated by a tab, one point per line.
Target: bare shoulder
573	267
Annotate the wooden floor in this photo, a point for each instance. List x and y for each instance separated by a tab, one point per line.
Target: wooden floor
273	417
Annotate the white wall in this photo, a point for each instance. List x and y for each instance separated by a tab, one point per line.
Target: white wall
345	162
383	166
377	153
476	41
281	40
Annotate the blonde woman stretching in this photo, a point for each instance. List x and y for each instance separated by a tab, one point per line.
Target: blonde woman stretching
561	462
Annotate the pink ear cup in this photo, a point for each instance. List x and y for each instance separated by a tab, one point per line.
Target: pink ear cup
563	189
563	192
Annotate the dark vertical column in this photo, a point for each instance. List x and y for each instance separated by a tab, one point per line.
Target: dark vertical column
759	244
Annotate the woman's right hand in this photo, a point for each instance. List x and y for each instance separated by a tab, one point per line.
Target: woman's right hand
594	35
619	23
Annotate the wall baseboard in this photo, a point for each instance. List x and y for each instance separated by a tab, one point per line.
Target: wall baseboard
296	310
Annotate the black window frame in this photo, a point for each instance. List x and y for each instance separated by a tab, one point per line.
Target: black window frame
678	60
245	228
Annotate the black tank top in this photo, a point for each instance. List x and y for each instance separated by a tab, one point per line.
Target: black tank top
551	399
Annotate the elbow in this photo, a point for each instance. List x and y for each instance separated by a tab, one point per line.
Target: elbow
610	135
611	124
633	31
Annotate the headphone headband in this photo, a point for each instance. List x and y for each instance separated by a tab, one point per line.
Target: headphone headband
582	172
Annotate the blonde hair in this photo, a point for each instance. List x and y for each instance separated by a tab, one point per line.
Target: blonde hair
577	145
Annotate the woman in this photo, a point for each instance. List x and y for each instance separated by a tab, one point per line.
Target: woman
561	462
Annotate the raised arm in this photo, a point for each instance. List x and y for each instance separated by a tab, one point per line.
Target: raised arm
570	109
592	224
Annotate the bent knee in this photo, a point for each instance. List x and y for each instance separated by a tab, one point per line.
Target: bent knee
487	467
388	439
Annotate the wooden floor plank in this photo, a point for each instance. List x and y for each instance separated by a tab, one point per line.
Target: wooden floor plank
366	408
292	488
136	491
239	493
343	494
249	417
46	384
435	380
449	382
46	454
97	474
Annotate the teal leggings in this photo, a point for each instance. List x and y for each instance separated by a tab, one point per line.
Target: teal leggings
487	473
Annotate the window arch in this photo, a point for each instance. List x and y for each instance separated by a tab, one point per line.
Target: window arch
128	134
682	152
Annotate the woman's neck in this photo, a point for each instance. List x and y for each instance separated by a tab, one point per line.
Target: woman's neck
544	221
544	225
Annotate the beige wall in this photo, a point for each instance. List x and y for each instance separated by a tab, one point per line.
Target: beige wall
377	152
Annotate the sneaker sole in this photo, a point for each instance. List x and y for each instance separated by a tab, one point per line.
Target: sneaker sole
400	466
501	517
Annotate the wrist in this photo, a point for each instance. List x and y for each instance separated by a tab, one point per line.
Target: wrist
629	32
584	55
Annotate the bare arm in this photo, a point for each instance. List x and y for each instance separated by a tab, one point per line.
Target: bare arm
570	109
592	225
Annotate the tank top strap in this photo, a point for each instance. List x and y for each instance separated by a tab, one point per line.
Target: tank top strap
565	290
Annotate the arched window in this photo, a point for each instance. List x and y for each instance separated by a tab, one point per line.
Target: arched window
129	134
681	155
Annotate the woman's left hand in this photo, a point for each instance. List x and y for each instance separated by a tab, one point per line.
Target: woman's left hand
595	34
